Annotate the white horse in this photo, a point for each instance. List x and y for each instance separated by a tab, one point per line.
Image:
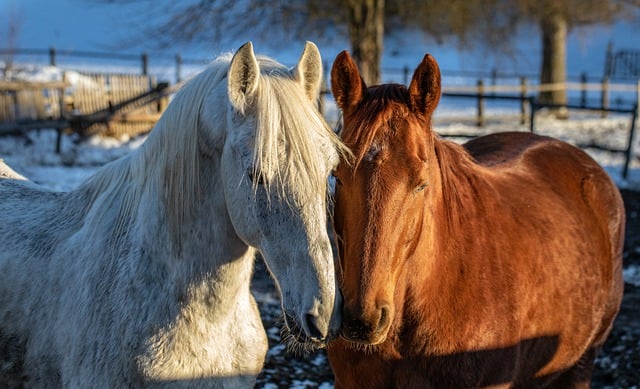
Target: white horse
140	277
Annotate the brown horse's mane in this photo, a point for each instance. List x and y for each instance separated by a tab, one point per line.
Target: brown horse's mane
459	176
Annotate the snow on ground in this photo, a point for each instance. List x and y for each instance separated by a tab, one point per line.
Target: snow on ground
631	275
34	157
37	73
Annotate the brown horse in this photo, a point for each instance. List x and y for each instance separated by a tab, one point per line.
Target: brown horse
494	264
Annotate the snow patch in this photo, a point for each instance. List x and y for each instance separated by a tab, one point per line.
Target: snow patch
631	275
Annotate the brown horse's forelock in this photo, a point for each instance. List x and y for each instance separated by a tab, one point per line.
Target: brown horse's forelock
379	105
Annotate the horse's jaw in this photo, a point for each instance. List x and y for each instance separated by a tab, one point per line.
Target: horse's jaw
310	301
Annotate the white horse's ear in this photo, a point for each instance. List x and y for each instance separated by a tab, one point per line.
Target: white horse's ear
244	74
308	71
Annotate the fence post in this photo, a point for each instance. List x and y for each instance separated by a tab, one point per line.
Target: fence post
533	108
523	100
480	117
583	90
629	151
178	68
494	79
145	64
52	56
61	104
638	95
604	98
608	61
634	117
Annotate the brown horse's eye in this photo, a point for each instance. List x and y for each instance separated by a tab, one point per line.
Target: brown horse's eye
420	187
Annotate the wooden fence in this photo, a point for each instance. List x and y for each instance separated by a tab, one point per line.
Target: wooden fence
106	93
524	92
110	104
526	95
127	104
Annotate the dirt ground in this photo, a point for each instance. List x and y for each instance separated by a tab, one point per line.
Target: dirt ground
617	367
619	363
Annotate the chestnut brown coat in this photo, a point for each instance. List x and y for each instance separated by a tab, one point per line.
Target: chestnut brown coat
493	264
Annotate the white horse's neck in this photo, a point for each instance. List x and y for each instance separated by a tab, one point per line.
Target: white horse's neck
189	277
145	194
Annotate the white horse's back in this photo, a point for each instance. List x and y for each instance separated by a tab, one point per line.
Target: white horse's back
28	234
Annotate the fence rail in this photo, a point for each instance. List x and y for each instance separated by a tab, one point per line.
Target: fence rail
402	74
525	92
112	104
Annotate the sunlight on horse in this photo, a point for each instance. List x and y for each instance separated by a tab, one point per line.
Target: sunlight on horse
7	172
493	264
141	275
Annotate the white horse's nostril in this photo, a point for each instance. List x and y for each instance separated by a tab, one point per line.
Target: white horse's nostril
313	329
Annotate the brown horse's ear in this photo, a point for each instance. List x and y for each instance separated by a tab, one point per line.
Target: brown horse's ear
346	84
425	88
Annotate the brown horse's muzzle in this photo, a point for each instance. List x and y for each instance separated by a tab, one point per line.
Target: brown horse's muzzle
367	327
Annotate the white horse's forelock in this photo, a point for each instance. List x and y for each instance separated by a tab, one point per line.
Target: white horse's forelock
286	149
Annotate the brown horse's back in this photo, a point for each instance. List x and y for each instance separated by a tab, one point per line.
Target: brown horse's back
566	166
581	183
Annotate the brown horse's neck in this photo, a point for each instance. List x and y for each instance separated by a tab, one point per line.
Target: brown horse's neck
434	267
458	192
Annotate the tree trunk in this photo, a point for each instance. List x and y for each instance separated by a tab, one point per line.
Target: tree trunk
554	58
366	31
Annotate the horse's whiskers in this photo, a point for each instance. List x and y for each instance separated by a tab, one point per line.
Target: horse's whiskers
297	342
363	347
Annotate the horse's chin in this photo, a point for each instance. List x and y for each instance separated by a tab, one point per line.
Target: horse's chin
298	343
357	345
364	341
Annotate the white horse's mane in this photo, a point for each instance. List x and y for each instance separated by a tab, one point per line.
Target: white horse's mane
286	146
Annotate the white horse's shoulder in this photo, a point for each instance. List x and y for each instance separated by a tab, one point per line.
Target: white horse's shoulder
190	348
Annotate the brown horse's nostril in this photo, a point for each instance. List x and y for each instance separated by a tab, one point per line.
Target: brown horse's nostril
368	329
384	321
